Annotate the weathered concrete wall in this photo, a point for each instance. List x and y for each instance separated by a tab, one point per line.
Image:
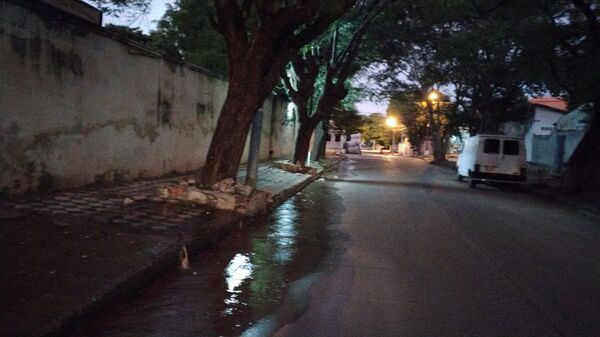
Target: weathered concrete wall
78	106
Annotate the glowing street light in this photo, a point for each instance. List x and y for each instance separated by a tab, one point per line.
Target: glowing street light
391	122
433	96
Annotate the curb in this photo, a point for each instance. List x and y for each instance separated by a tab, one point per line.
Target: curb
133	283
288	193
586	211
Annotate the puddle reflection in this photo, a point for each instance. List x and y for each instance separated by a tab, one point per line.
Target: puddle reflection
256	278
238	270
251	283
284	232
268	276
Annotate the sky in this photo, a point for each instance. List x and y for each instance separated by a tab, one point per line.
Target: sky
146	23
158	7
369	107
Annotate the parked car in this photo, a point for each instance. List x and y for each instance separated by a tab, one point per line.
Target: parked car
492	158
352	147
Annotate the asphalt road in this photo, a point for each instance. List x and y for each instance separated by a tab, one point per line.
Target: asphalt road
385	246
428	256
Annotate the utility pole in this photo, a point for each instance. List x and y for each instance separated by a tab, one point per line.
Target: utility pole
254	151
394	145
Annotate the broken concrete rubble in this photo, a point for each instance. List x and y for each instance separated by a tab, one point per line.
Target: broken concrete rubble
289	167
256	204
244	190
162	192
226	195
196	196
177	191
225	185
224	201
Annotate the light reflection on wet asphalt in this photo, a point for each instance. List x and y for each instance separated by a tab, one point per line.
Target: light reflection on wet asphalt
248	285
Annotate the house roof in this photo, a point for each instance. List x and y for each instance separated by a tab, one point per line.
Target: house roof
556	103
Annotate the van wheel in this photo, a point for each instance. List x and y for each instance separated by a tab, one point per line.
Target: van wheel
473	183
460	178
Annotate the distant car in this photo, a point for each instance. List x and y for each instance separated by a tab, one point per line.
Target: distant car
352	147
492	158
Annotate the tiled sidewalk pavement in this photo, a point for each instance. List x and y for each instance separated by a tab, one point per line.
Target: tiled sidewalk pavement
94	201
65	255
271	179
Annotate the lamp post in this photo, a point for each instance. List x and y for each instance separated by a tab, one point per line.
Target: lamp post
392	122
434	97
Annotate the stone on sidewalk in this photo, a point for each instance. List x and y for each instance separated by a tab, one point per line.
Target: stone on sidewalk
196	196
225	185
222	200
258	202
244	190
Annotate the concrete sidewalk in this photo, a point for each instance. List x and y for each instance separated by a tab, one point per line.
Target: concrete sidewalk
66	255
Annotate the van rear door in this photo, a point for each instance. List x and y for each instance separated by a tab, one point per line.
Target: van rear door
510	159
489	157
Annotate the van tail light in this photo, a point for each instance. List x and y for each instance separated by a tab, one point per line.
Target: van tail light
523	171
477	167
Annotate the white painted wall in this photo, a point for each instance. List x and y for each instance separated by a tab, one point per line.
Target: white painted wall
541	125
80	106
573	127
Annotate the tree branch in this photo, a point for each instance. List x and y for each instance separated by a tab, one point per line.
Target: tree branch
592	19
232	24
328	14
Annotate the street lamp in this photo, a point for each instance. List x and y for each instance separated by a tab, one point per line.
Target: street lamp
392	122
433	97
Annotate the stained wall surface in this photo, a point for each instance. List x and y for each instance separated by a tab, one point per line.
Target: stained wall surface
79	105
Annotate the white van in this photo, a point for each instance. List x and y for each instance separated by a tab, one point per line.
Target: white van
492	158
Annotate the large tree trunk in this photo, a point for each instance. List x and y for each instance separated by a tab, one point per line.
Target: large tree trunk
321	138
436	143
229	139
303	141
583	170
259	44
438	148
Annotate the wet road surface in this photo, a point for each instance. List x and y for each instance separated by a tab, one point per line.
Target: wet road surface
387	246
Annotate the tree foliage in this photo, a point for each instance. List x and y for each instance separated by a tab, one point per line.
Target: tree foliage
317	79
442	44
346	121
118	8
490	54
261	37
185	32
373	129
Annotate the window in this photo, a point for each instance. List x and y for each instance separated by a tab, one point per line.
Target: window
511	148
338	138
491	146
348	138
